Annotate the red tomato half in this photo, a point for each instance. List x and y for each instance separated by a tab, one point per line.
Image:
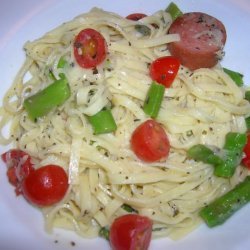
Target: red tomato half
246	150
164	70
131	232
12	154
149	142
19	167
46	185
136	16
90	48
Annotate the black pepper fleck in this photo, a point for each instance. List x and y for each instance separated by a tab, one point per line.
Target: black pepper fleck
95	71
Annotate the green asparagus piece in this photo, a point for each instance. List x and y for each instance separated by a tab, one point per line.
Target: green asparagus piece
62	63
224	207
202	153
44	101
247	95
174	10
235	141
233	147
247	120
103	122
235	76
225	160
227	168
154	99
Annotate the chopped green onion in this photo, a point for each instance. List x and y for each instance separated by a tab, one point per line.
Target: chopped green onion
154	99
247	95
235	76
103	122
44	101
143	29
61	63
129	209
225	206
174	10
104	232
247	120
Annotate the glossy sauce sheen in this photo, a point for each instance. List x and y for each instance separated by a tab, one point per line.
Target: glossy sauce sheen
202	39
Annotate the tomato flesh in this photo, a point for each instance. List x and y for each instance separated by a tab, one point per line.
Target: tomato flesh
19	167
164	70
149	142
131	232
246	159
90	48
135	16
45	186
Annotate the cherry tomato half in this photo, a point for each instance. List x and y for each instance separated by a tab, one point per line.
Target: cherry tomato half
131	232
19	167
164	70
149	141
136	16
246	150
90	48
46	185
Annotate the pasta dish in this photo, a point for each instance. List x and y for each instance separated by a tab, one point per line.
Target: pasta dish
104	174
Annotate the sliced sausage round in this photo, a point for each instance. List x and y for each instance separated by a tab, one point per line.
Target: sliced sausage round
202	39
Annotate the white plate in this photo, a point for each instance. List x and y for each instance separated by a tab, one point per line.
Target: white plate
21	226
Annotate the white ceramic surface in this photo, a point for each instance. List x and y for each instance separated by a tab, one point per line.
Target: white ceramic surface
21	226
